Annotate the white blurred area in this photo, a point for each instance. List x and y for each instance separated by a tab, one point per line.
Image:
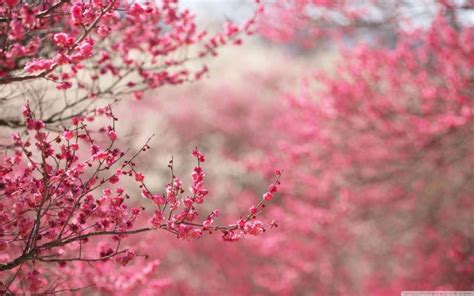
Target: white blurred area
215	12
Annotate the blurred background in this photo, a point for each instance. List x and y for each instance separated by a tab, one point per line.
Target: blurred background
367	106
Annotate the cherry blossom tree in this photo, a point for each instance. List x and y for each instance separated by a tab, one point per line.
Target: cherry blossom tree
62	204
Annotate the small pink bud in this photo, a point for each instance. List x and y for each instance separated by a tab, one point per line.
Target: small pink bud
267	196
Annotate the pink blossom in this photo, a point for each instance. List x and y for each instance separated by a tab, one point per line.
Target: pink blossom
267	196
103	31
139	177
39	65
64	85
76	13
63	40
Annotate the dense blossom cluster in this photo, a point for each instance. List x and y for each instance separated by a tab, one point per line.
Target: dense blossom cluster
52	211
103	49
112	36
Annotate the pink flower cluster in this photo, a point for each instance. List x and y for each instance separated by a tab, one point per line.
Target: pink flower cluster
141	37
53	212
